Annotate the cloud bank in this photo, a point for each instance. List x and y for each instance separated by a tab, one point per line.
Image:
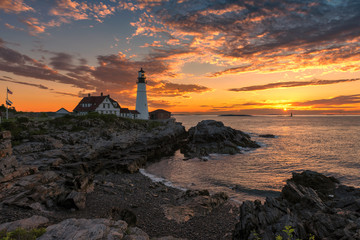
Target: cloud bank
292	84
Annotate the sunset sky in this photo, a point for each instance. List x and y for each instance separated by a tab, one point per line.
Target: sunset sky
200	56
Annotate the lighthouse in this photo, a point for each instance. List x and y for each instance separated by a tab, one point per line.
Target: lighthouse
141	99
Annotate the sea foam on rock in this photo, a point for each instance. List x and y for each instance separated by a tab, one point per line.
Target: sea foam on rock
311	203
210	136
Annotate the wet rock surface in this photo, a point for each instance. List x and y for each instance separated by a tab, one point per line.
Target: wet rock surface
210	136
311	203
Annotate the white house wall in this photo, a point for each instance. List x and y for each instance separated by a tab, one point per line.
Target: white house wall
106	107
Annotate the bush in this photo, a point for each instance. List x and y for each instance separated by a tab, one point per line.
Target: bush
22	120
15	129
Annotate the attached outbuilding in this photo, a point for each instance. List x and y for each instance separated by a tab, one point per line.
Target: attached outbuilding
134	114
125	112
160	114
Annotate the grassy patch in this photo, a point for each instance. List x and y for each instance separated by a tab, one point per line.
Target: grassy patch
22	234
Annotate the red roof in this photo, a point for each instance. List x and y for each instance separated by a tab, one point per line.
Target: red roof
160	110
93	102
134	112
124	110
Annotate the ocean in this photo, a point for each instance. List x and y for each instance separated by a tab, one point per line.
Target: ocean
326	144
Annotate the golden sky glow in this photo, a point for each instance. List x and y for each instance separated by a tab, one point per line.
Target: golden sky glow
247	57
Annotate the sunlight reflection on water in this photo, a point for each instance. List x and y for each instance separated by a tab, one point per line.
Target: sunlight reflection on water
327	144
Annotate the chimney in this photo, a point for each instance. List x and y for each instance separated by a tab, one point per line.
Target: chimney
101	94
88	94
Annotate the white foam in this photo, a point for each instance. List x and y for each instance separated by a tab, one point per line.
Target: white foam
160	180
261	144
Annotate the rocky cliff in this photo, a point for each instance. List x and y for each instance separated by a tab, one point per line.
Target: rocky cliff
56	168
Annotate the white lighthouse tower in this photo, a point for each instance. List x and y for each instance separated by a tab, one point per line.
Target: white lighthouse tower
141	99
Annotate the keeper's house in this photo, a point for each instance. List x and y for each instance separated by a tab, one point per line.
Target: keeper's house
100	104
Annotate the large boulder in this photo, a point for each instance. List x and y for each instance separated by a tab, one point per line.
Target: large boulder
27	223
210	136
311	204
89	229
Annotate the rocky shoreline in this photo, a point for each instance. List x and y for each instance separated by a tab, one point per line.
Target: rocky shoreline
87	168
312	205
79	178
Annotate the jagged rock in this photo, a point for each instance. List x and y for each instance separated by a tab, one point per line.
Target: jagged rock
90	229
8	165
323	185
46	189
210	136
28	223
75	200
267	136
311	203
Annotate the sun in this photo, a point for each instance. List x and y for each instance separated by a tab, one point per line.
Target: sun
285	109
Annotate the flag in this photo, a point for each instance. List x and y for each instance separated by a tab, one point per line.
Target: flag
9	91
8	102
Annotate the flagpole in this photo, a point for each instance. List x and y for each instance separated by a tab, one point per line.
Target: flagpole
7	106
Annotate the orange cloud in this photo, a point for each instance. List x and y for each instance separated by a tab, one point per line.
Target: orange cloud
70	9
14	6
34	26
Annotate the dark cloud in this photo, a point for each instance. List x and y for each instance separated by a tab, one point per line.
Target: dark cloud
62	61
20	64
160	104
292	84
24	83
121	71
67	94
169	89
327	103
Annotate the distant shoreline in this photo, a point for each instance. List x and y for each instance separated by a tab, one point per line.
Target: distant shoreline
234	115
